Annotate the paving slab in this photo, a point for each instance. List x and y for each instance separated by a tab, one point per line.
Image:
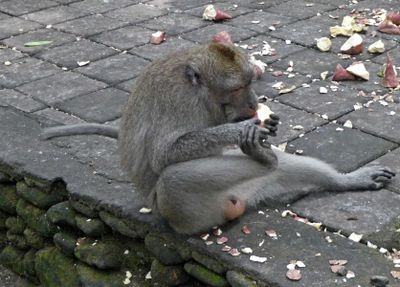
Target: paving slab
70	54
19	101
377	120
300	9
4	16
152	52
347	150
57	38
115	69
101	106
204	35
391	160
124	38
19	7
175	23
260	5
364	212
90	25
52	117
7	54
136	13
173	5
282	50
233	9
14	26
333	104
289	118
264	86
394	55
260	21
95	6
25	70
296	241
56	15
60	87
127	86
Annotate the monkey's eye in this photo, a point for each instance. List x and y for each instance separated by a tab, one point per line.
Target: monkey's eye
238	91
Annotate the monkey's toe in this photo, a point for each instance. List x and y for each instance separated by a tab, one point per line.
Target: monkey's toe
234	208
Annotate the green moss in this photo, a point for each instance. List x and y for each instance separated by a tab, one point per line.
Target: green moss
38	197
168	275
17	240
33	238
62	213
104	254
3	218
209	262
164	250
204	275
28	263
93	227
237	279
137	255
15	224
91	277
82	207
65	242
35	218
8	198
117	224
12	257
54	269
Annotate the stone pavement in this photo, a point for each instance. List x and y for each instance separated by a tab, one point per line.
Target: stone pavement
85	74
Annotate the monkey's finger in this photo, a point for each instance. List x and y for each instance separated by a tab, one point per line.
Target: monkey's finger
244	136
252	136
274	117
382	179
271	122
272	128
388	171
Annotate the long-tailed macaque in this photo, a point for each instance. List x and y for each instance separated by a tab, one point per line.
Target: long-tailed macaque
183	112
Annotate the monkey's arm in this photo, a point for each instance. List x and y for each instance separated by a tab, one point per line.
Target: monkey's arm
210	141
80	129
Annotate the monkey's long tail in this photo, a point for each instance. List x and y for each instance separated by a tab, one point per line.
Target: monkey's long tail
79	129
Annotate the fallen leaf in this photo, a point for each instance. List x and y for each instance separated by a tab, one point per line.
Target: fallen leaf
37	43
294	275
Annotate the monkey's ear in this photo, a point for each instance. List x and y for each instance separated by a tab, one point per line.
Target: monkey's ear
223	50
193	74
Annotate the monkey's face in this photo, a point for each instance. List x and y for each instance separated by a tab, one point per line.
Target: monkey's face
242	104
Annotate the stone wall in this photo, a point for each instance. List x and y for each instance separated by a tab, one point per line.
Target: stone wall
52	240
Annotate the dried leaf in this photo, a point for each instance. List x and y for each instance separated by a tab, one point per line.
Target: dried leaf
37	43
294	275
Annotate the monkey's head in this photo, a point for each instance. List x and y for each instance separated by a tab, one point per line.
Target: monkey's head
226	76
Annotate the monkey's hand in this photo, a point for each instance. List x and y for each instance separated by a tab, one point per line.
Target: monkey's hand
271	124
253	142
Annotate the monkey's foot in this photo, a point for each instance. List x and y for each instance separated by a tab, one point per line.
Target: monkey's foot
234	208
370	177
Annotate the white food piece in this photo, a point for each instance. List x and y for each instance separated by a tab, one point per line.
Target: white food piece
348	124
300	264
209	13
255	258
323	90
354	41
263	112
355	237
324	44
358	69
247	250
7	63
291	266
377	48
82	63
148	276
145	210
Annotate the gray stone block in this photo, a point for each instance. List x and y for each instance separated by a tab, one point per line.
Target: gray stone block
60	87
136	13
14	26
56	15
299	9
101	106
19	101
51	117
95	6
260	21
19	7
10	55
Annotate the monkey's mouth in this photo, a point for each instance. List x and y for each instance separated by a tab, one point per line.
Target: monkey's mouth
241	119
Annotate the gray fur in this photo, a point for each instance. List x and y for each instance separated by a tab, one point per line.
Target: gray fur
182	114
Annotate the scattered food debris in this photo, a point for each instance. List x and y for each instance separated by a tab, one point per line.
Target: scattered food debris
353	46
377	47
158	37
323	90
222	240
294	275
222	37
145	210
82	63
358	69
255	258
341	74
234	252
245	229
213	14
247	250
271	233
390	79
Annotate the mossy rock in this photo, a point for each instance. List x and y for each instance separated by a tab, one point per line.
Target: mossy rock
37	182
163	249
84	208
91	277
15	224
237	279
62	214
33	238
8	198
117	224
205	275
66	242
136	255
4	178
92	227
12	257
3	240
209	262
168	275
3	218
36	218
17	240
28	263
38	196
104	254
55	269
